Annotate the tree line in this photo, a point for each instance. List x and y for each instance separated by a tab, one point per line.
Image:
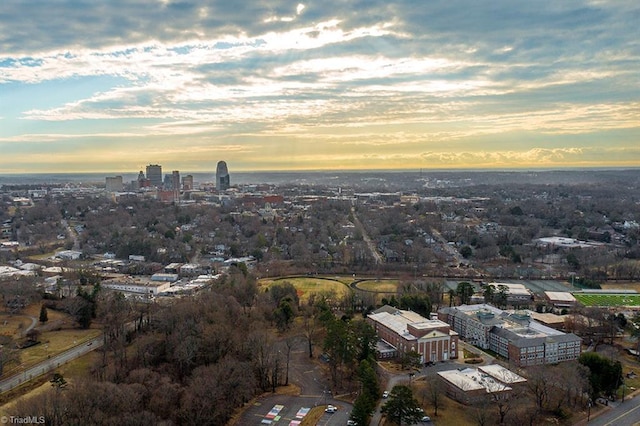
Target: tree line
199	358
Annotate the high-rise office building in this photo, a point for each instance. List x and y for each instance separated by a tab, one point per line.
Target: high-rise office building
187	183
154	174
175	180
113	184
223	180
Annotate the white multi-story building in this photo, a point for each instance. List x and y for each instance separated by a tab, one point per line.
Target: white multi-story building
137	286
513	335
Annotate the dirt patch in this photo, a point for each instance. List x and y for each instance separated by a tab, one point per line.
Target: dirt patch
14	325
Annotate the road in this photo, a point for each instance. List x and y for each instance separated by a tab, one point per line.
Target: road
425	373
448	248
50	364
429	373
34	321
365	236
72	234
626	413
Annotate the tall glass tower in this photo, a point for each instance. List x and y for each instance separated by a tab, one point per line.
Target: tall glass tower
222	176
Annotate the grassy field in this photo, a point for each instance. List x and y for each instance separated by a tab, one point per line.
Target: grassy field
592	299
13	325
379	286
54	342
57	335
305	286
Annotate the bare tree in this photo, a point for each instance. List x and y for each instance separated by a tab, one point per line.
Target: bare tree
310	326
264	359
8	354
539	384
436	395
115	311
289	343
481	415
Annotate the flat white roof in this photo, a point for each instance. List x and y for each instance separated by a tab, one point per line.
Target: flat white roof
510	286
532	329
502	374
513	289
472	309
9	271
561	296
399	320
394	322
568	242
471	379
410	316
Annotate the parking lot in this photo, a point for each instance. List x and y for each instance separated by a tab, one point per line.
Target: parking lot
288	410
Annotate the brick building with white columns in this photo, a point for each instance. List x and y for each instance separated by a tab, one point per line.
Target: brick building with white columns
407	331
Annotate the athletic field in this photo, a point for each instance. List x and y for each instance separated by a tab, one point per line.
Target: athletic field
593	299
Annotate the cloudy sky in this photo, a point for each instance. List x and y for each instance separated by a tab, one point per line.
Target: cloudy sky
113	85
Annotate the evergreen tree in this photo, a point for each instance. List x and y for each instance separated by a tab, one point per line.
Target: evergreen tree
44	317
365	404
58	381
401	407
465	291
605	374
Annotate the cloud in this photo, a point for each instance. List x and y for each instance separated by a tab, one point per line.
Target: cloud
536	157
373	76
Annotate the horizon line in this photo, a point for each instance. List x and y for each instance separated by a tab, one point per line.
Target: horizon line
389	170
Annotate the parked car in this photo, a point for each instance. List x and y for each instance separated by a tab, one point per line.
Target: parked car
351	423
425	419
385	394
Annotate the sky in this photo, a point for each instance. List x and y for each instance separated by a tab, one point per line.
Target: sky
114	85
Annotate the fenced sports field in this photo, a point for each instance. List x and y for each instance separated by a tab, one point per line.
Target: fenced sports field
600	299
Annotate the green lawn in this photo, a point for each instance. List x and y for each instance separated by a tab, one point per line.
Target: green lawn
590	299
379	286
306	286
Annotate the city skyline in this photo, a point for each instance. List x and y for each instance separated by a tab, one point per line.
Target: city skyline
304	86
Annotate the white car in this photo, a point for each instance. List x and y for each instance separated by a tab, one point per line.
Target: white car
331	409
425	419
385	394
